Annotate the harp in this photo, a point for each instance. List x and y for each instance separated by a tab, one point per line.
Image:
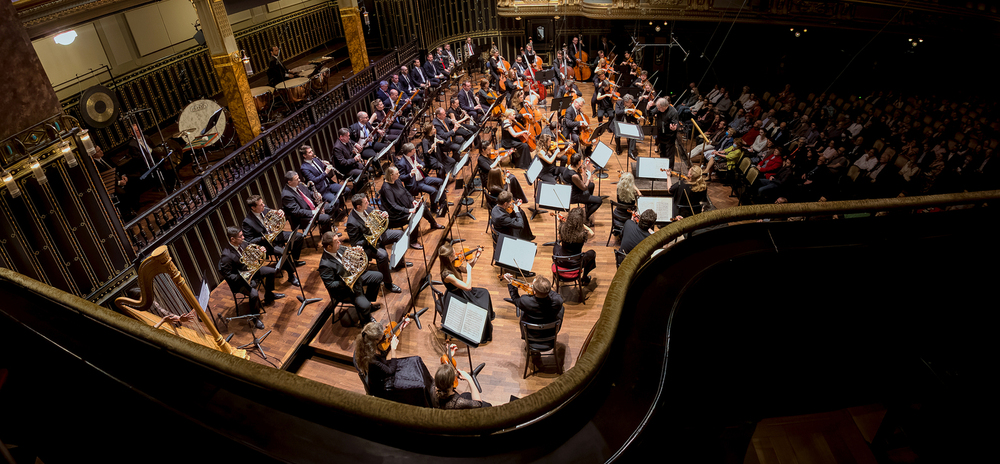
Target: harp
163	293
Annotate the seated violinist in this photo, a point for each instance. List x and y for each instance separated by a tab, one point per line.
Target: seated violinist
405	380
507	218
625	111
445	381
511	137
549	153
634	232
540	305
568	89
498	180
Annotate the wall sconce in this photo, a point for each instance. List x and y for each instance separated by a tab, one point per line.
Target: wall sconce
65	38
8	179
246	63
68	155
36	168
87	142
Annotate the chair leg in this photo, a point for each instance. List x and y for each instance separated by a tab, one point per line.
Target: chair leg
527	359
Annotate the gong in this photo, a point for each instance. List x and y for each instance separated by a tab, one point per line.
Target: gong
99	107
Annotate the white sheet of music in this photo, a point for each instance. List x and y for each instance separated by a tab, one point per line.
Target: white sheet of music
649	168
466	319
662	206
516	253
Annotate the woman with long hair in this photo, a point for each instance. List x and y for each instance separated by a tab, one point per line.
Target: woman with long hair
572	235
521	155
497	181
690	191
628	193
548	153
448	397
392	130
582	189
381	367
459	283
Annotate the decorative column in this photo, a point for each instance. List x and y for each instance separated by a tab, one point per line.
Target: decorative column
350	16
228	66
57	222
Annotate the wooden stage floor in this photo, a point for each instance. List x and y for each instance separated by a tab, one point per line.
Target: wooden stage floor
331	348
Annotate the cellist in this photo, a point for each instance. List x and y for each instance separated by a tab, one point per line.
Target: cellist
571	127
568	87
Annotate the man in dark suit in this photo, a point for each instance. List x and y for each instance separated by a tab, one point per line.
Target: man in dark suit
433	157
298	206
407	86
417	75
276	71
429	71
230	267
344	158
467	101
254	232
363	292
633	232
666	127
512	223
465	127
399	204
471	52
447	131
383	93
357	230
322	175
544	307
360	132
571	127
413	176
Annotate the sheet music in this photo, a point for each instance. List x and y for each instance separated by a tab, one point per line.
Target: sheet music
444	185
554	196
630	131
515	253
466	319
649	168
415	217
399	249
662	206
460	165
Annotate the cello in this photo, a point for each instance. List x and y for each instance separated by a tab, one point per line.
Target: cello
581	70
534	67
564	67
585	130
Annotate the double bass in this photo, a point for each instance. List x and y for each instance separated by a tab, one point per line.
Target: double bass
534	67
581	70
564	68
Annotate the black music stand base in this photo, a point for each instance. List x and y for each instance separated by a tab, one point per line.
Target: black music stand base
256	341
305	302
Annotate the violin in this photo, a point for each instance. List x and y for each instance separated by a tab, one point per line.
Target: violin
674	173
510	209
463	257
392	331
496	152
449	358
522	286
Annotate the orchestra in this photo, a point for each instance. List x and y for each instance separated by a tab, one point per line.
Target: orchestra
507	110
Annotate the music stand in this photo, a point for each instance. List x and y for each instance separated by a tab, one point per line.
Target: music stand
651	169
312	221
465	321
600	156
555	197
466	189
649	131
398	255
534	169
628	131
281	261
440	192
468	143
514	254
561	103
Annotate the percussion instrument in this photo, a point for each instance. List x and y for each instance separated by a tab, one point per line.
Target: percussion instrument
294	90
262	97
303	71
319	80
196	116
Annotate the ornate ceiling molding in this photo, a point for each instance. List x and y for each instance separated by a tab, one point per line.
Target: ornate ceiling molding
844	13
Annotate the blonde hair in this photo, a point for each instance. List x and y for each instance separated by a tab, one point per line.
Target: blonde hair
510	112
626	188
696	179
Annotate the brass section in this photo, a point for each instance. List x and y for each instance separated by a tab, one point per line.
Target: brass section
233	80
355	38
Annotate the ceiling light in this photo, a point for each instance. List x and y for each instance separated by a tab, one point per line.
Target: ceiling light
798	34
657	28
65	38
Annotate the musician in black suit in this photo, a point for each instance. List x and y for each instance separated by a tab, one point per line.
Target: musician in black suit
357	230
508	219
418	77
230	267
382	93
406	86
434	157
569	85
465	127
667	125
447	131
360	133
298	205
634	232
471	52
469	102
574	48
625	111
449	56
344	157
431	71
254	232
412	173
543	307
399	203
365	288
570	126
322	175
276	71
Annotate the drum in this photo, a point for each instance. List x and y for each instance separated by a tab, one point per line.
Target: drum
302	71
319	80
197	115
294	90
262	97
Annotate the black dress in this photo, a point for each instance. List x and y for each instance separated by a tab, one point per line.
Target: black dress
461	401
522	152
589	261
404	380
478	296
